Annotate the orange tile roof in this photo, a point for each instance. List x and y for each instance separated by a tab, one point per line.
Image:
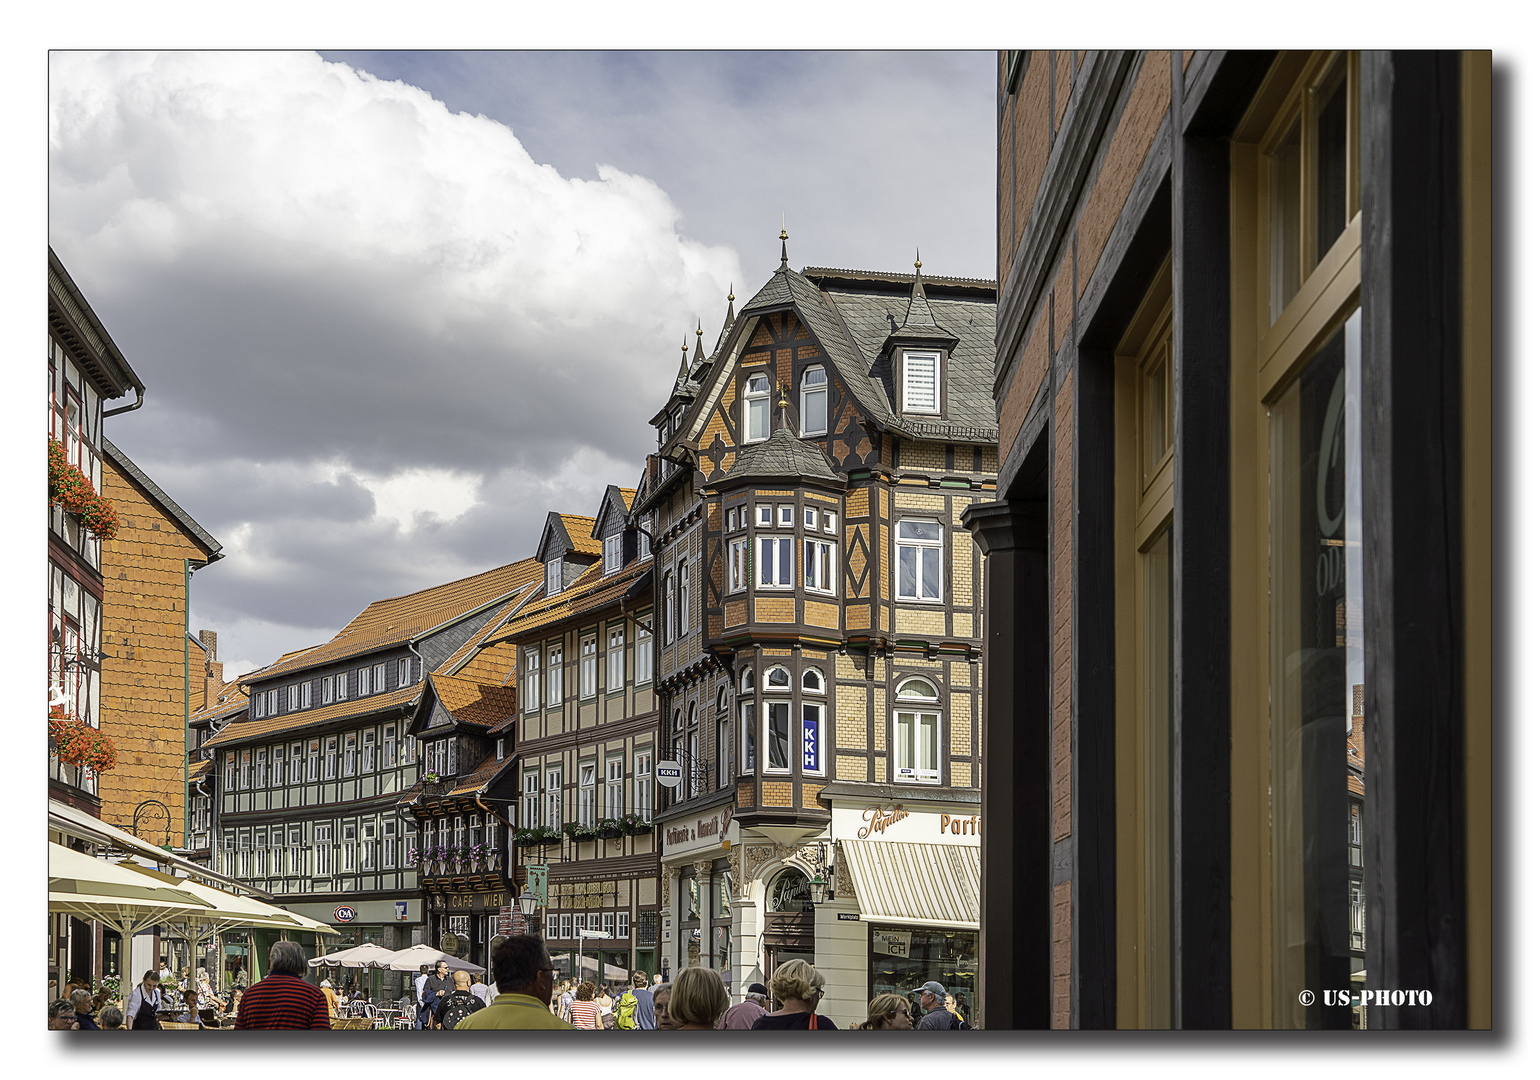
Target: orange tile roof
461	656
198	770
230	697
592	590
472	783
492	665
470	702
628	496
580	532
240	731
403	618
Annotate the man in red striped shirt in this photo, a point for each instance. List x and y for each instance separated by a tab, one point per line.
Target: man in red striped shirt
284	999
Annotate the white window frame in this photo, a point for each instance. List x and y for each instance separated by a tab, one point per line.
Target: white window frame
614	547
379	678
532	678
746	739
615	660
763	514
738	564
553	575
830	523
816	676
330	772
404	671
785	516
553	797
304	694
229	770
245	770
810	518
756	408
326	690
623	924
350	754
259	765
388	747
593	922
366	765
816	712
553	669
920	546
915	402
313	761
724	748
644	537
321	866
588	666
776	555
641	774
918	698
368	840
259	706
388	843
820	572
643	650
552	926
259	853
769	707
566	927
683	579
531	804
607	924
293	697
614	786
774	687
349	847
342	686
668	606
272	702
588	793
296	851
812	390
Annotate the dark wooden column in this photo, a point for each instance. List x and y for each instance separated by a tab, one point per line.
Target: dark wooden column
1015	964
1200	585
1093	831
1414	724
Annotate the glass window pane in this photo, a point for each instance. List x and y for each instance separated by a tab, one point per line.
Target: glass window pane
783	553
931	584
779	737
1331	159
908	571
1284	236
903	740
919	530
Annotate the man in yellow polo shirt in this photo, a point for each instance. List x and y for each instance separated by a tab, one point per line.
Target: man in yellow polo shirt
525	978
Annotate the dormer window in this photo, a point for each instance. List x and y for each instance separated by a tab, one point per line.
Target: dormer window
612	553
922	382
553	577
815	402
756	409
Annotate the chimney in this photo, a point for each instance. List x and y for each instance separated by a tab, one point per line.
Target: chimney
214	680
210	640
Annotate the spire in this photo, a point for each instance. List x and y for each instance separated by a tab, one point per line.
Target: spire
700	353
783	241
727	324
919	306
783	403
684	361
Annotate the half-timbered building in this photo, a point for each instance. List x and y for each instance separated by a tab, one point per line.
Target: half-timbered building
309	779
821	631
587	737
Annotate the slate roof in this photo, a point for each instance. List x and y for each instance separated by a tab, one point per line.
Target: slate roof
166	502
781	455
400	619
853	315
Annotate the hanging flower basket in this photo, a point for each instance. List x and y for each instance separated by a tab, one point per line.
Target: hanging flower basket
78	743
539	837
635	824
611	829
72	490
581	832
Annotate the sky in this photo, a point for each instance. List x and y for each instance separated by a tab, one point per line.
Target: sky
391	308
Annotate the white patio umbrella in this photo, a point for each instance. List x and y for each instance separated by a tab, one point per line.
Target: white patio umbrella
418	955
367	955
127	902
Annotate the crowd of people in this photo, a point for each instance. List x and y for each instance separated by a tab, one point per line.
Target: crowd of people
524	994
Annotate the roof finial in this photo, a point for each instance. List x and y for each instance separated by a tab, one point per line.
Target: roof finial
730	296
916	261
783	240
783	404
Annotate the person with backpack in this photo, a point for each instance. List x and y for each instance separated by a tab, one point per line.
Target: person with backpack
633	1011
459	1003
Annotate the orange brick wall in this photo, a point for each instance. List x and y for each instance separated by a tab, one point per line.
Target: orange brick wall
1032	137
1146	107
144	680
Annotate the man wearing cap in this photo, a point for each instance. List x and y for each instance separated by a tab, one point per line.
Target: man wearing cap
933	1001
742	1015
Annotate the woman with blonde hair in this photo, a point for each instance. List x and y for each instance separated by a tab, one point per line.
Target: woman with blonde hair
798	986
698	1001
887	1012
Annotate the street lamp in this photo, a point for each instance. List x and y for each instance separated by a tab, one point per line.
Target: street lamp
528	902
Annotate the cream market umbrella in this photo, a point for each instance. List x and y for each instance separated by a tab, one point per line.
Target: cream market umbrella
127	902
360	956
226	910
419	955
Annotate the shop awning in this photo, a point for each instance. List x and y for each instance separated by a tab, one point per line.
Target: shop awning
915	884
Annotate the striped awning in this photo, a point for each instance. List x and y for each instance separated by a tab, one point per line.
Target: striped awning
915	884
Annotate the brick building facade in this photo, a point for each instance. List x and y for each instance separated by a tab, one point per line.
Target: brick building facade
1223	276
153	672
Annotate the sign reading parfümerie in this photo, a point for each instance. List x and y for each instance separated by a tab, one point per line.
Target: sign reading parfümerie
902	823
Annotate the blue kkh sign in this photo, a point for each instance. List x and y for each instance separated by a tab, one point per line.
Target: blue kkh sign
810	745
